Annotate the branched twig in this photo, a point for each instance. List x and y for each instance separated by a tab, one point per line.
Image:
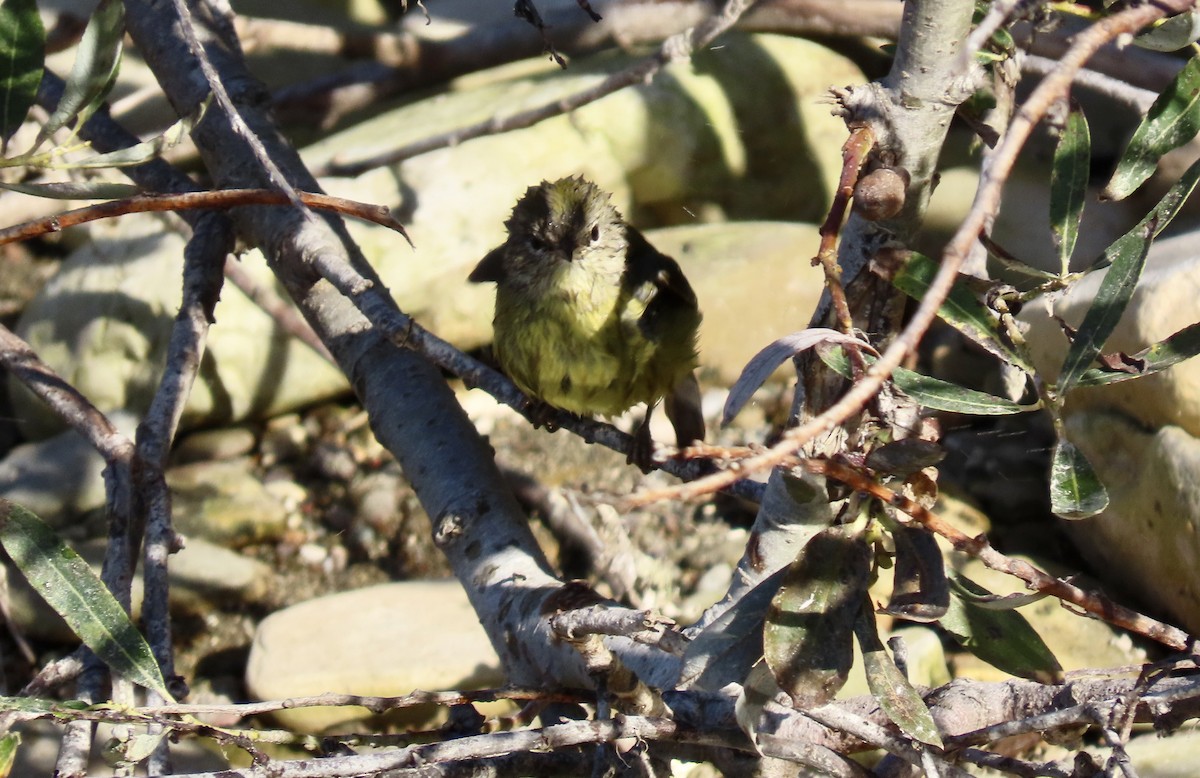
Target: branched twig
854	154
639	626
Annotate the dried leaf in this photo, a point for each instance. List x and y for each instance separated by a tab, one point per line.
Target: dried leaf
1170	351
760	367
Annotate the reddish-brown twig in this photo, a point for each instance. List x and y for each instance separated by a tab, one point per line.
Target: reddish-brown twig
219	199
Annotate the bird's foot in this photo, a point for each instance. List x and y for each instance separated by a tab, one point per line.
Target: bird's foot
642	451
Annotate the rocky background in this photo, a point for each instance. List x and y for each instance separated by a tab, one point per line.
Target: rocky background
308	565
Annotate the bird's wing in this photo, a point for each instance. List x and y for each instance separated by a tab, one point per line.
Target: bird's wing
653	277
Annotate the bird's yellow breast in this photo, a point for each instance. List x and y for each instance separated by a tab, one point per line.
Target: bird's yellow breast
579	349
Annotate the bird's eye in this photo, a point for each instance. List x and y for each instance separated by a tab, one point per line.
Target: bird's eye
595	233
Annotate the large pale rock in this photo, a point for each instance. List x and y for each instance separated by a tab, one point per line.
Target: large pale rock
1146	542
225	503
103	323
59	478
1163	303
382	640
754	282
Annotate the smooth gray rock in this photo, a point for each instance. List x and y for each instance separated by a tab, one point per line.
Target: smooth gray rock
390	639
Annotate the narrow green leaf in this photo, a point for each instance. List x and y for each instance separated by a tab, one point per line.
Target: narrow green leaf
1174	349
1172	121
995	602
29	704
1068	184
1163	213
1075	489
146	150
8	752
22	50
1003	639
94	72
75	190
70	587
1113	296
1171	34
934	393
807	639
962	310
896	696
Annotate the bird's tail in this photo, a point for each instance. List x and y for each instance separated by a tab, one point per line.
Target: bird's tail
683	409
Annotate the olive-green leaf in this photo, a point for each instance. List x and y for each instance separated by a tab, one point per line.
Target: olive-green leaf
148	149
896	696
1171	34
22	50
94	72
75	190
935	393
962	309
1068	184
1172	121
807	638
1075	489
1113	296
70	587
8	752
1154	222
30	704
1002	638
1168	352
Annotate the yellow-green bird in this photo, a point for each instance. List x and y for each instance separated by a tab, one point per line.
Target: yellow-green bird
591	318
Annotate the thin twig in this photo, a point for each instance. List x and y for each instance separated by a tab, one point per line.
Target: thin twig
236	122
218	199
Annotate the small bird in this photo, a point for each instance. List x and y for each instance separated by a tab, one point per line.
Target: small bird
590	318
